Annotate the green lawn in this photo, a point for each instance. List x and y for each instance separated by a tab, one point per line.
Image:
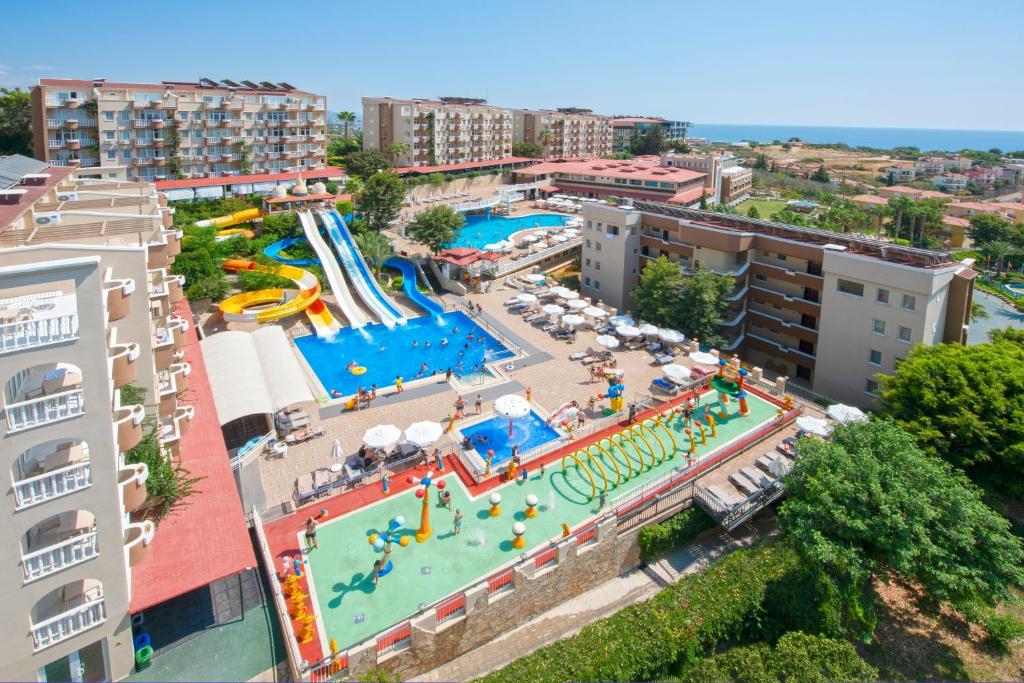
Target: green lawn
766	207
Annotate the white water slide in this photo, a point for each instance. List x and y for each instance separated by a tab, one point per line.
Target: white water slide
358	272
335	279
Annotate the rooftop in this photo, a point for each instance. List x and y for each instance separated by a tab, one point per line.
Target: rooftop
637	169
9	213
204	84
328	172
461	166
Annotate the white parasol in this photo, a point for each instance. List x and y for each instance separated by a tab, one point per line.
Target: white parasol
843	413
671	336
595	312
648	329
382	436
527	298
814	425
577	304
540	233
559	238
779	466
627	331
569	295
676	373
535	277
607	341
572	320
530	238
704	358
512	406
619	320
552	309
560	290
336	451
423	434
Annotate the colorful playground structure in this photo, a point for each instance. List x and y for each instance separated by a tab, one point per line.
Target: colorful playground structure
224	223
265	305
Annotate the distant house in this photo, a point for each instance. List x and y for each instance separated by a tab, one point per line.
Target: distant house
1013	212
983	176
900	173
869	201
1013	173
929	166
951	182
900	191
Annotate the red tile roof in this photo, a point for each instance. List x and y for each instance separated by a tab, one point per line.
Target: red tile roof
636	169
176	85
313	173
206	538
687	197
871	199
464	256
461	166
12	212
549	188
957	222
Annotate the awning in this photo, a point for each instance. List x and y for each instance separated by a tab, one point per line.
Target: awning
549	188
253	373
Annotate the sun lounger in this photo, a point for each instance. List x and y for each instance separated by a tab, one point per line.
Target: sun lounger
766	460
663	360
664	386
759	479
633	346
579	355
321	480
743	484
726	498
303	435
304	487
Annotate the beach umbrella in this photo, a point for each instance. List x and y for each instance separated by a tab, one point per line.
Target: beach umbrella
627	331
569	295
560	290
648	329
540	233
512	406
423	434
671	336
779	466
535	277
572	320
814	425
595	312
552	309
559	238
843	413
620	320
607	341
530	238
676	373
527	298
571	232
704	358
382	436
577	304
493	247
336	451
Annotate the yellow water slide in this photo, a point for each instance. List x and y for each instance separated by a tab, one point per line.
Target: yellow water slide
227	221
266	305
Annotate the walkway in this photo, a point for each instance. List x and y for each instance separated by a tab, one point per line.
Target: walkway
602	601
1000	315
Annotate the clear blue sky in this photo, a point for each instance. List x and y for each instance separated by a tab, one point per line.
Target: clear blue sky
904	63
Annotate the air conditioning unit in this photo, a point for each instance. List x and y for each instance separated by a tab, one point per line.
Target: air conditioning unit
47	218
67	196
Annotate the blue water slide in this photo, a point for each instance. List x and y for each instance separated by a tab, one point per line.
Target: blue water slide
365	284
275	249
409	282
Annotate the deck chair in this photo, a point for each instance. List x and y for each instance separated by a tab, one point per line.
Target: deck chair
743	484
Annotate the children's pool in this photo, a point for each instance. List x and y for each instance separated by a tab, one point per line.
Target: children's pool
387	354
481	230
492	434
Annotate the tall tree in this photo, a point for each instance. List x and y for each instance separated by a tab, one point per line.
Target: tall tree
651	141
545	139
821	175
657	296
704	304
397	150
997	252
898	207
365	163
527	149
987	227
376	248
381	199
346	118
869	502
435	227
15	122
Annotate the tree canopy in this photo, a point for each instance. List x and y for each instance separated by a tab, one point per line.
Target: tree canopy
435	227
527	149
651	141
381	199
15	122
987	227
657	297
693	304
375	247
869	501
964	404
365	163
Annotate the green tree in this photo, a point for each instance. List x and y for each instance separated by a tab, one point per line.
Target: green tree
381	199
545	139
703	201
376	248
752	212
365	163
527	149
704	304
761	162
244	158
789	217
347	118
987	227
15	122
821	175
657	296
796	658
869	502
997	252
435	227
436	179
396	150
899	208
651	141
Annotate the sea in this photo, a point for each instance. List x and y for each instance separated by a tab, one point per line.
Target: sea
925	139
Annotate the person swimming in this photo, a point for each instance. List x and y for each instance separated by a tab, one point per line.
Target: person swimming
351	365
455	330
426	344
444	342
415	343
335	393
380	349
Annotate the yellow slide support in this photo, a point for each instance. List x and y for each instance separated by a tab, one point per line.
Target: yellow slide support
583	468
622	441
660	421
237	308
592	460
635	434
608	456
227	221
612	447
665	453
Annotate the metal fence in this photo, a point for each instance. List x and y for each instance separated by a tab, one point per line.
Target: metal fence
536	257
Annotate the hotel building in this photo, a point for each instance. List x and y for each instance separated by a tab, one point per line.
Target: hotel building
625	128
565	133
830	311
172	129
451	130
88	308
639	178
731	182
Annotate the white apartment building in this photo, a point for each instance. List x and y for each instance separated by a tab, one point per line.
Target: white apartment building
566	133
900	174
452	130
827	310
85	310
951	182
168	130
710	164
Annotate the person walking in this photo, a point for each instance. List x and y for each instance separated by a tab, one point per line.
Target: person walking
378	565
529	394
398	385
445	499
479	404
632	413
457	522
601	500
311	541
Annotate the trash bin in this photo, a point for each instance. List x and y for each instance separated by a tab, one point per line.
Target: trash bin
143	658
141	641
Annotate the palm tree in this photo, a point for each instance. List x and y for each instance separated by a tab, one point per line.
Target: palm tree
347	118
354	186
397	149
897	207
545	137
376	248
998	251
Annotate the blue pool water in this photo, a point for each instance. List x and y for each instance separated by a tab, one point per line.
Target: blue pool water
480	230
389	353
492	434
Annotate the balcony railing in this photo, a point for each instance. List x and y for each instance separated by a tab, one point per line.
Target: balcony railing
54	558
54	484
44	410
68	624
27	334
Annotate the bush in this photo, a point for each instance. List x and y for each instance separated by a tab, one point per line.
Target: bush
801	600
657	539
344	207
397	282
213	287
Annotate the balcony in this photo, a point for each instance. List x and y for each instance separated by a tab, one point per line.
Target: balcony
58	542
235	105
62	471
122	363
132	480
158	123
73	144
171	334
128	422
234	123
157	255
44	410
137	540
159	160
143	123
294	154
76	608
174	380
294	138
119	297
38	322
144	161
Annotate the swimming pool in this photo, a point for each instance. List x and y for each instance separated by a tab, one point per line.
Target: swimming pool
387	354
481	230
492	434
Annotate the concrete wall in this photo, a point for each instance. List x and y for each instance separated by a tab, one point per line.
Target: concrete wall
618	254
482	182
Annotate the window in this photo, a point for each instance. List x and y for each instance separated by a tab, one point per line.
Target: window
586	281
878	326
762	278
904	334
588	244
111	154
909	302
875	357
780	257
108	116
881	296
597	245
597	265
871	387
108	135
586	262
597	284
850	287
803	372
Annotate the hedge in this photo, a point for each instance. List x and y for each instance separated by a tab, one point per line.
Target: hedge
648	640
657	539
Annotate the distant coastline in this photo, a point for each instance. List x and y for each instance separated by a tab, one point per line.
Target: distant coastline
925	139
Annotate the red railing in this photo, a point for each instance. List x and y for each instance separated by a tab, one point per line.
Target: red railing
500	581
328	668
588	535
545	558
451	608
395	639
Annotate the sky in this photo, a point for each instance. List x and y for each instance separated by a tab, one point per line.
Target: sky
891	63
